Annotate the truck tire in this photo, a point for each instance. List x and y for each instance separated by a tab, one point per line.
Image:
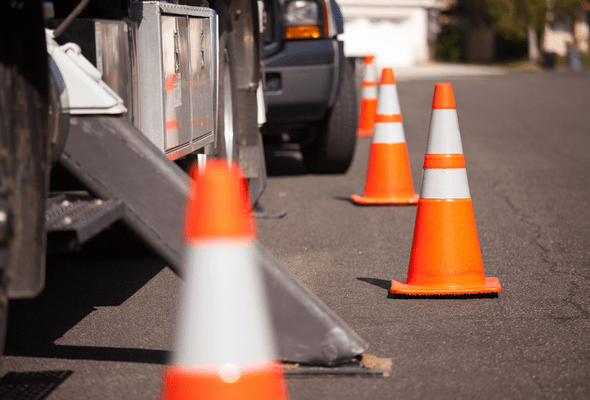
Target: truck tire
24	152
332	149
227	109
3	317
227	146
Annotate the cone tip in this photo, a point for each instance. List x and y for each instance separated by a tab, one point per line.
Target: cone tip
387	77
443	96
368	59
218	206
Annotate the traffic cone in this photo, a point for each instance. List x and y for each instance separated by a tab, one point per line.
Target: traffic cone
445	257
389	178
368	101
225	346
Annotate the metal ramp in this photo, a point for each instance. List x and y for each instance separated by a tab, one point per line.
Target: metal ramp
119	165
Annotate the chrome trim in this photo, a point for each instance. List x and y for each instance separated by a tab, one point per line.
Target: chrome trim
202	141
179	151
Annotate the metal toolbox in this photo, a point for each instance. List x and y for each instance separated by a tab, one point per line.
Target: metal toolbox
177	62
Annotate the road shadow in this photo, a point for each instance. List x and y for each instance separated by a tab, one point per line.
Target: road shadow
114	354
375	206
31	385
74	287
344	199
382	283
284	160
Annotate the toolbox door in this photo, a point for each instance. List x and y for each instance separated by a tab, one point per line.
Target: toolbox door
176	76
203	105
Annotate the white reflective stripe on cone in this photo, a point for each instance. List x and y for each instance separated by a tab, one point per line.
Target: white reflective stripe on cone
388	100
448	183
370	92
443	135
225	316
369	73
389	132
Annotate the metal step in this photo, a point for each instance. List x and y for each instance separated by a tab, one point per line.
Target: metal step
72	219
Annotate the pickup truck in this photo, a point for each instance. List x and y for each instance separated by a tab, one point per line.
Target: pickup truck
309	85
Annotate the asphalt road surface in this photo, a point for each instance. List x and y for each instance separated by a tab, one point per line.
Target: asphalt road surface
101	329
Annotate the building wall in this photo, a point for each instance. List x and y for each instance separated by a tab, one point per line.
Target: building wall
582	32
558	36
394	32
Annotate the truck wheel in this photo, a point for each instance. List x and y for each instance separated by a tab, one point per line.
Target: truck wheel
227	105
3	316
335	137
24	152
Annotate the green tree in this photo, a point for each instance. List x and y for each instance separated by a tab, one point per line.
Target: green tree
509	18
569	8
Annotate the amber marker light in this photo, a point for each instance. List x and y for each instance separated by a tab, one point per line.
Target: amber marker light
303	32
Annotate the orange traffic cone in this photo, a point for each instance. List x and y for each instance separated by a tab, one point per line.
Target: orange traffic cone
445	257
368	101
389	179
225	346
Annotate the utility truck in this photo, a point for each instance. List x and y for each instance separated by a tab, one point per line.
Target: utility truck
110	98
104	106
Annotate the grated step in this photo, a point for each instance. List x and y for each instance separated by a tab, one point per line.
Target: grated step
72	219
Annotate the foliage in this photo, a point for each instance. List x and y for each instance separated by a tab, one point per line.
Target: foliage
567	7
448	47
509	18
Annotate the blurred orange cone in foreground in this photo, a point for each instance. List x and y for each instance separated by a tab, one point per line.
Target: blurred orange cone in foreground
445	257
368	101
224	343
389	178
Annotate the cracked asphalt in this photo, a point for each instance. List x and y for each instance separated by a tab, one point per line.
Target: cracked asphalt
102	327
